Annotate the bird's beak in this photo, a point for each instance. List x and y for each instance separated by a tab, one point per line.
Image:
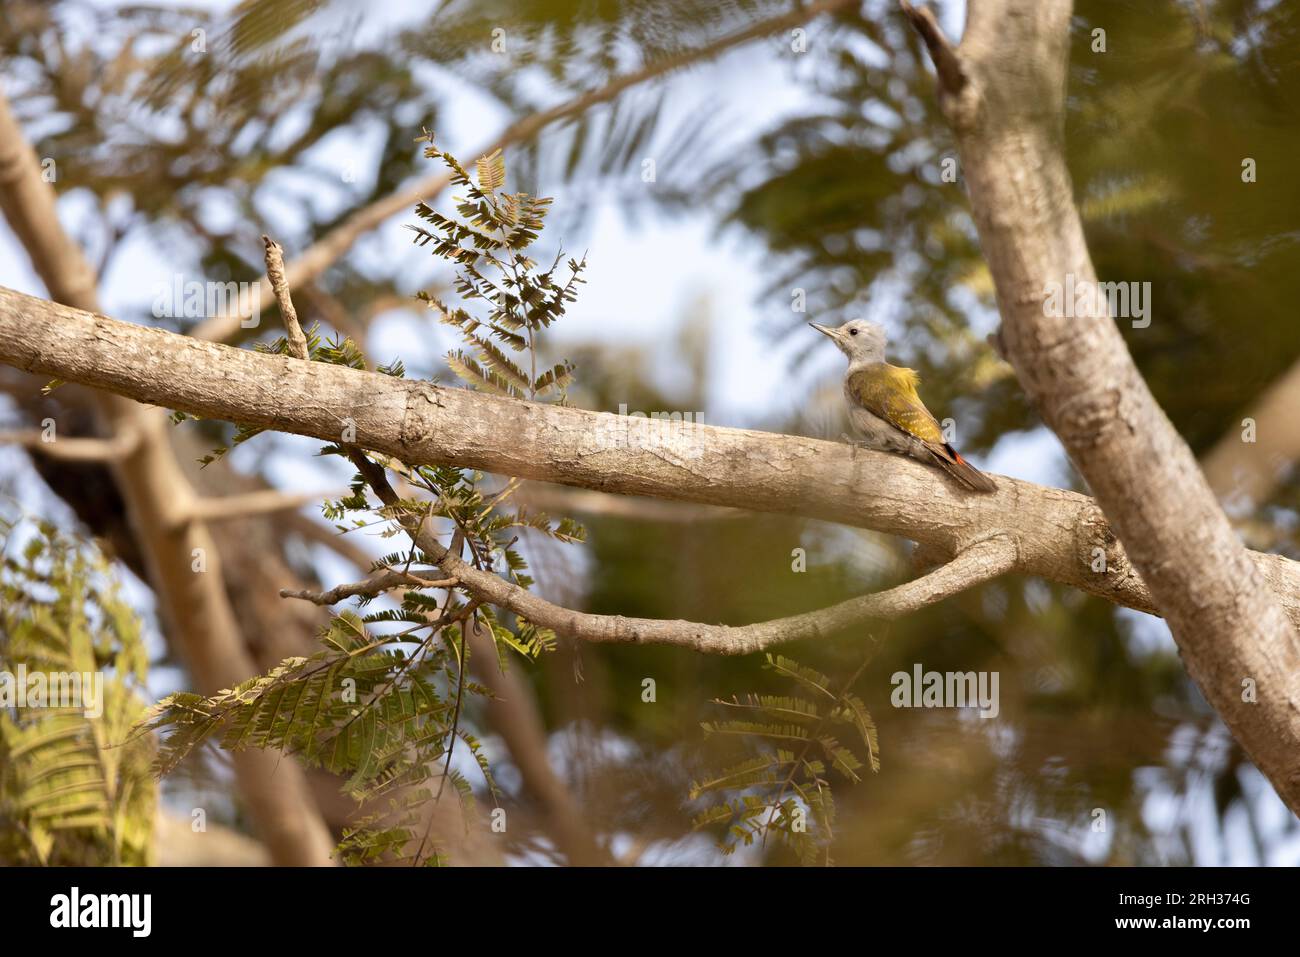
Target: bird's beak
826	331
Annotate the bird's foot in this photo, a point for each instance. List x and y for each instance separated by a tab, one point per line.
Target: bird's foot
853	443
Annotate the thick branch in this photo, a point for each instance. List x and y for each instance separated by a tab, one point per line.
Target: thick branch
1232	630
1059	535
1250	471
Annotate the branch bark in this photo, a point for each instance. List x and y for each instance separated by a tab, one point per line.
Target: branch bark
1057	533
1233	632
250	504
979	562
374	585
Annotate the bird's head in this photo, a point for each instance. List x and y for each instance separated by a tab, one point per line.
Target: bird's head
859	339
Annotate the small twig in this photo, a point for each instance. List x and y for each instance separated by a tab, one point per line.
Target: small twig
463	663
952	76
375	585
280	285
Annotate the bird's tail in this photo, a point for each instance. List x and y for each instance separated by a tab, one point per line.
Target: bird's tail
965	473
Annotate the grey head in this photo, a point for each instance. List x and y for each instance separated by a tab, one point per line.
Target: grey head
861	340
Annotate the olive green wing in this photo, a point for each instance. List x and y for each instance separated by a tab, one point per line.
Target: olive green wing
890	393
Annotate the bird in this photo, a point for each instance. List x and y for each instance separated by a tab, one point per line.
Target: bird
885	410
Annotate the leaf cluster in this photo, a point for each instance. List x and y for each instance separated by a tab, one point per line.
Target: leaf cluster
75	788
486	242
376	709
382	704
784	790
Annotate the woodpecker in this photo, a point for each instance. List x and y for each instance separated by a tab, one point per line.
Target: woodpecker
885	410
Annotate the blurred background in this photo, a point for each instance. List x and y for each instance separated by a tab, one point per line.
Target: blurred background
723	204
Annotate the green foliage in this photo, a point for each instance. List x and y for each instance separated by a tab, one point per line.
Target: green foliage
371	708
383	709
375	839
74	789
785	788
382	703
493	230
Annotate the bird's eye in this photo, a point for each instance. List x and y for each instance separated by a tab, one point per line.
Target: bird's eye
853	332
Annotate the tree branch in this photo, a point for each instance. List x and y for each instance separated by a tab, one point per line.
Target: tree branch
1059	535
972	566
952	78
1233	631
74	448
275	276
1251	471
252	504
978	563
370	587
